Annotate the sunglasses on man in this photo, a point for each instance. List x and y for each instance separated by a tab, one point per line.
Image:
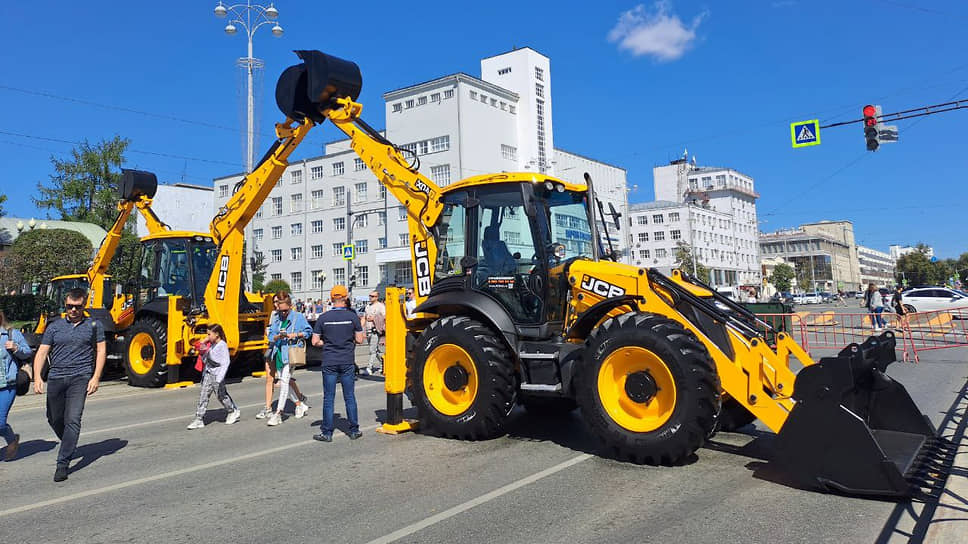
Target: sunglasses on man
70	307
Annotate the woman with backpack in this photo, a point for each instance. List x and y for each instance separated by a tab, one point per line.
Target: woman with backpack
216	366
14	352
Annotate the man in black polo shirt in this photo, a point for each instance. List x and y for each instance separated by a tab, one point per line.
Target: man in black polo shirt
77	351
338	331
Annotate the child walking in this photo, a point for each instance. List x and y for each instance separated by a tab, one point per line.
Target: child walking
213	379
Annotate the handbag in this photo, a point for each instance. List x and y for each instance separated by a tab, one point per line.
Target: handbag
23	382
297	354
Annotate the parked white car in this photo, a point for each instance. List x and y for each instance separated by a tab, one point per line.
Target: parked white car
928	299
807	298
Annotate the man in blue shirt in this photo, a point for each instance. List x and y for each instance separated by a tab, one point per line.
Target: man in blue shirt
338	331
77	353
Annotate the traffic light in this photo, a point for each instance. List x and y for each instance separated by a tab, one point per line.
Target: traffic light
870	127
352	281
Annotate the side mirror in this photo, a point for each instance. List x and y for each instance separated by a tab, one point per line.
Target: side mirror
516	255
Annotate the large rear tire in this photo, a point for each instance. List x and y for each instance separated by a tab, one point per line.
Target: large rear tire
145	353
648	389
462	379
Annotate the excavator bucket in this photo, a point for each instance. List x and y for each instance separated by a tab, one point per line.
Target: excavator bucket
304	90
137	183
854	429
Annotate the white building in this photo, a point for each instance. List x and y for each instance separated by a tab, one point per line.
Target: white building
898	250
876	267
458	126
707	208
181	206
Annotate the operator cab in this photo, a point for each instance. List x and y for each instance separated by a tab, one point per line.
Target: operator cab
176	266
514	241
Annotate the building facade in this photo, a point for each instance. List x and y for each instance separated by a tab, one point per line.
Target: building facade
897	251
823	255
457	126
876	267
710	210
182	206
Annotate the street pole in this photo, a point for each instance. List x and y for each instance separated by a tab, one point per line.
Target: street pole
349	242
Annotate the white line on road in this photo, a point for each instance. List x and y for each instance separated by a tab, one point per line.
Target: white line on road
427	522
163	476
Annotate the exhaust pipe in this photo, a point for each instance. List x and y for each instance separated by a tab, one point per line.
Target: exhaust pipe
305	90
854	429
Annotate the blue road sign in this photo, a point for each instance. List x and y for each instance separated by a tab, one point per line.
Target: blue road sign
805	133
348	252
934	259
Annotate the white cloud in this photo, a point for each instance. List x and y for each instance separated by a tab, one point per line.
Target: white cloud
655	32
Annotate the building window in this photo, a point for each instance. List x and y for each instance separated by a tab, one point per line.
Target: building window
358	165
409	103
223	191
660	253
383	273
383	192
440	174
316	172
440	143
338	168
363	276
381	242
339	196
295	253
675	235
473	95
277	205
401	214
295	229
339	276
659	236
673	217
643	237
258	213
509	152
539	90
504	106
483	99
316	226
338	249
316	201
381	218
539	73
657	219
435	97
295	282
277	232
361	247
449	93
404	239
644	254
275	276
361	192
257	234
339	223
360	221
276	255
421	100
316	251
512	109
296	176
642	219
494	102
503	71
296	202
317	276
398	107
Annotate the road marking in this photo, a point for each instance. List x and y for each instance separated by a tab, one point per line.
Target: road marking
460	508
163	476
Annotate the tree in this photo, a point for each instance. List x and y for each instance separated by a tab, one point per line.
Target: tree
804	277
275	286
124	266
39	255
3	198
258	265
687	262
916	267
782	277
85	188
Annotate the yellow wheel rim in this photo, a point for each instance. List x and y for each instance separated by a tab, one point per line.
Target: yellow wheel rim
141	353
636	389
450	379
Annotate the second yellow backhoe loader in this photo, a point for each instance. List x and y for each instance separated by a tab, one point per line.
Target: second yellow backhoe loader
516	305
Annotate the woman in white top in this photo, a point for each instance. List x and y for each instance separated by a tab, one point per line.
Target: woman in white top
213	379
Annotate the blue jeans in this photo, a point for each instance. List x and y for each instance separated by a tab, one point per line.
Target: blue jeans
7	395
347	379
65	405
876	319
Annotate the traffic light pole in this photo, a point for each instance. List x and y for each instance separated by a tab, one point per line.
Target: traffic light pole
349	242
897	116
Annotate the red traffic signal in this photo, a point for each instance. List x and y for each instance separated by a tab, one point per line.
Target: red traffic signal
870	115
870	127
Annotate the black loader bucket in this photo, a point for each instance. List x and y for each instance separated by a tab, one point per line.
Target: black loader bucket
304	90
137	183
854	429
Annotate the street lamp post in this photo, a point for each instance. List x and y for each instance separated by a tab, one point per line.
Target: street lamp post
250	17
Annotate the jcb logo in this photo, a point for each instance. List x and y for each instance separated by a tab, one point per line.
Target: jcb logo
422	187
223	276
421	260
601	288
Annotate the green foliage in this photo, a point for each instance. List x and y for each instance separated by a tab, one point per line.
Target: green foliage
276	286
3	198
782	277
39	255
24	307
259	265
918	269
685	261
124	266
85	188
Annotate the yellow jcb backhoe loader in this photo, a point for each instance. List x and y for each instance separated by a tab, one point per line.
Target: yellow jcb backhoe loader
516	305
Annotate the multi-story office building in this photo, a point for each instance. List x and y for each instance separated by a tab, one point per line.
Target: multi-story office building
876	267
897	251
710	209
823	254
458	126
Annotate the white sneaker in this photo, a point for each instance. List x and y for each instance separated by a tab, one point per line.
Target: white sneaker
233	417
195	424
274	419
264	413
301	409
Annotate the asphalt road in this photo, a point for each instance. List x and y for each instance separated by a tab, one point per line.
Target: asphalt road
141	477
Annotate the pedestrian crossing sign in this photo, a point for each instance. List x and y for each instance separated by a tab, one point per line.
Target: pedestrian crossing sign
804	133
348	252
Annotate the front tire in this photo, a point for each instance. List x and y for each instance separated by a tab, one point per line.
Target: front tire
145	353
462	379
648	389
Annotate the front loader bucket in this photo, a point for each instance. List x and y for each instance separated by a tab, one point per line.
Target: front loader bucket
304	90
137	183
854	429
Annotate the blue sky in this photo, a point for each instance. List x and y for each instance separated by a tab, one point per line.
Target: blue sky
633	84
